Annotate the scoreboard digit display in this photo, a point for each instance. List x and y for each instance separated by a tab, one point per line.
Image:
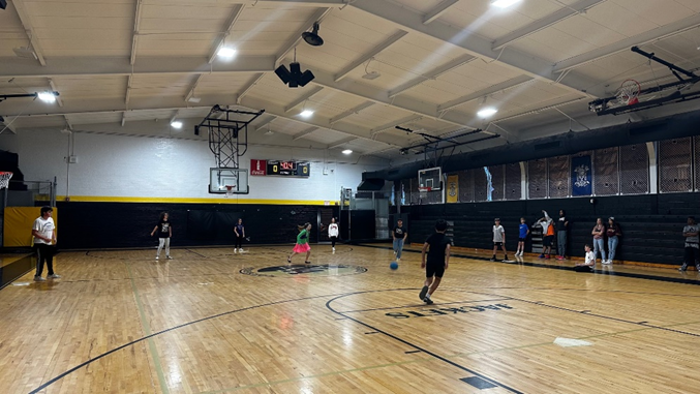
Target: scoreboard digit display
288	168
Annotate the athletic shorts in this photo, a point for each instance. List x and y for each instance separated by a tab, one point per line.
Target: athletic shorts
521	239
434	270
498	244
548	240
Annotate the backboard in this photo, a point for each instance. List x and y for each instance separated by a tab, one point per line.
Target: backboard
430	177
219	178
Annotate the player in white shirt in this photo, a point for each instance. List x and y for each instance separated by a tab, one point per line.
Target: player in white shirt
333	232
44	233
499	239
589	264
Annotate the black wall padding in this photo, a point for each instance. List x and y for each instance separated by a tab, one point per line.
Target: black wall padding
89	225
564	144
651	224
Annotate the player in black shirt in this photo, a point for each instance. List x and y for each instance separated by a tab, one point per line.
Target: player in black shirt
438	248
399	234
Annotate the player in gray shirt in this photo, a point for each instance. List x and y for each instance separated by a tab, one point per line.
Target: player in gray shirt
692	245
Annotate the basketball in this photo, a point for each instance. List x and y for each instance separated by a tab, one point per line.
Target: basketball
394	265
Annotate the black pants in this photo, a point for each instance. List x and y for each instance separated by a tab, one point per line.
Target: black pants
692	256
239	241
583	268
44	253
334	240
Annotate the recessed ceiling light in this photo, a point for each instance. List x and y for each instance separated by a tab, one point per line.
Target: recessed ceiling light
347	151
504	3
226	52
47	97
176	124
306	113
487	112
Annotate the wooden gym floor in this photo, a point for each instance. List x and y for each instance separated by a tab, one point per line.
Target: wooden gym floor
121	322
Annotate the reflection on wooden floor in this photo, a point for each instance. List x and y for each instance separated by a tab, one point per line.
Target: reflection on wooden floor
122	322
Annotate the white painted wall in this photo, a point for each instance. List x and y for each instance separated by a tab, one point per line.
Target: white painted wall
133	166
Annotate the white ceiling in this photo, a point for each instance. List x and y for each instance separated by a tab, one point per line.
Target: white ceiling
130	63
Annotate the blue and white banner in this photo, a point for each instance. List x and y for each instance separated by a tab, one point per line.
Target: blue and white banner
581	176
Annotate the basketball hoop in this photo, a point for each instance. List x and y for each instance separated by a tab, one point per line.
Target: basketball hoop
424	193
628	92
229	191
5	179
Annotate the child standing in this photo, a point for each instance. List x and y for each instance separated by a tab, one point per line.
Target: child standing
399	235
44	233
333	232
598	233
523	231
438	249
499	239
302	243
165	232
589	264
239	230
548	235
692	245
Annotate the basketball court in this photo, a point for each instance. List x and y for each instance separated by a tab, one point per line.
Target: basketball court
273	116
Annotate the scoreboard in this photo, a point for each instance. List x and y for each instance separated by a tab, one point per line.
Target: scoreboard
291	168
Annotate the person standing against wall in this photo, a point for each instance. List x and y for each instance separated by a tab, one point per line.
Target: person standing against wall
44	233
613	232
692	245
547	235
239	230
333	232
165	232
399	234
599	240
562	235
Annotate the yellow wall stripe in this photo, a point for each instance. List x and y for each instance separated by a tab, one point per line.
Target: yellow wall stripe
179	200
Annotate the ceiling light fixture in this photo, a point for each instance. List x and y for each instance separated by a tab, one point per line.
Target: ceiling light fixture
487	112
504	3
176	124
47	97
347	151
292	76
311	37
226	53
306	113
194	99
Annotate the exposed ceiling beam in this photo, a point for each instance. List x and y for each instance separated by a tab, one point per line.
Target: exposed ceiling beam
304	133
625	44
68	122
509	84
342	142
432	74
395	123
123	118
86	66
295	38
127	95
555	17
352	111
59	100
307	95
135	31
370	54
29	29
405	18
438	10
382	96
298	3
266	121
247	88
193	86
235	14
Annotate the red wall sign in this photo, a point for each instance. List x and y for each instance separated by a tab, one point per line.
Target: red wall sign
258	167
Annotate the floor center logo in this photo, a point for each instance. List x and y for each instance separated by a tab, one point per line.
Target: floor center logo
307	269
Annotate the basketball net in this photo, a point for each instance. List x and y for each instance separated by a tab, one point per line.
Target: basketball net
423	192
5	177
628	92
229	191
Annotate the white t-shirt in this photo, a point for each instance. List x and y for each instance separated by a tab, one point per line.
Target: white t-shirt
45	228
590	258
498	232
333	230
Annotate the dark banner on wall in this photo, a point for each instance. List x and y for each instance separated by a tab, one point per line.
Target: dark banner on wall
581	176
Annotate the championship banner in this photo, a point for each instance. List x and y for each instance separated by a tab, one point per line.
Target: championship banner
581	176
452	188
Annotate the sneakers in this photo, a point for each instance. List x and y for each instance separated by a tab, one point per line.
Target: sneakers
307	262
492	258
54	276
560	258
683	268
547	257
235	250
240	250
157	257
39	279
168	257
428	301
542	256
334	250
423	292
505	258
